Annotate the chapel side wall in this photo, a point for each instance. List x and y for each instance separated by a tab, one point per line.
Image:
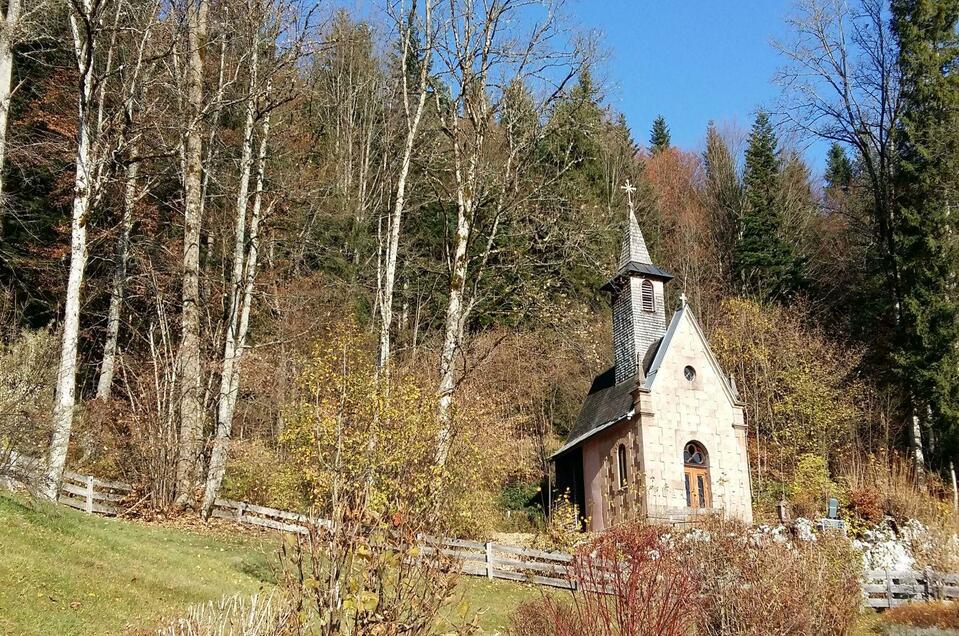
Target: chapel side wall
683	411
607	504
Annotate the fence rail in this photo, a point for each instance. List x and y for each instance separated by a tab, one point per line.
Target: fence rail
890	588
880	588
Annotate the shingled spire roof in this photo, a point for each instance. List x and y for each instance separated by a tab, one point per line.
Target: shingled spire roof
634	245
634	255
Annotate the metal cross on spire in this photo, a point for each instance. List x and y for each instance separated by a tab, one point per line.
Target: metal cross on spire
629	189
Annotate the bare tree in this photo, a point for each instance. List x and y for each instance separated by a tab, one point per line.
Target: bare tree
414	103
483	51
191	409
276	45
87	26
842	84
131	76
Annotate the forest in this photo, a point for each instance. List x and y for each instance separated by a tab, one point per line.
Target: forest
291	253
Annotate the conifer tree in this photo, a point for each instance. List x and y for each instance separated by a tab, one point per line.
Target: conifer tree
763	260
927	187
723	196
659	135
838	168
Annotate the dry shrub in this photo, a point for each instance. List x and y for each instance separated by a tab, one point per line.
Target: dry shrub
938	614
365	448
753	586
891	478
27	375
629	581
235	616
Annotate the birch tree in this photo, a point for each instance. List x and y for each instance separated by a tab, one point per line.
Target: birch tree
87	27
413	99
132	78
483	50
275	37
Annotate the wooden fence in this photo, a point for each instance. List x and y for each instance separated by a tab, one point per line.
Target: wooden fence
889	588
881	589
91	494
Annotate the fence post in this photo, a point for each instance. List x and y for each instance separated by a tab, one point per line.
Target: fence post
89	503
239	513
489	560
888	589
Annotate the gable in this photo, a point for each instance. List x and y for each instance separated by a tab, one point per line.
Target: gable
685	339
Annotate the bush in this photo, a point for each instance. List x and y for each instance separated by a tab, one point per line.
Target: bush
757	584
629	581
27	375
811	487
235	616
939	614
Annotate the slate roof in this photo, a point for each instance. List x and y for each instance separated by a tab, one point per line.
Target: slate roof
606	404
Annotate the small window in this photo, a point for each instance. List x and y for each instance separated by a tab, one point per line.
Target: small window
621	457
649	298
690	373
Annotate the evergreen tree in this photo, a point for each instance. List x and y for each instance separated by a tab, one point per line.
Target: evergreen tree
763	260
723	195
927	187
838	168
659	135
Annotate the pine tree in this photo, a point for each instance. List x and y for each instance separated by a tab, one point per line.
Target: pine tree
927	187
659	135
763	260
838	168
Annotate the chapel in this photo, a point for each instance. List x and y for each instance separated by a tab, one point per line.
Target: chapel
661	434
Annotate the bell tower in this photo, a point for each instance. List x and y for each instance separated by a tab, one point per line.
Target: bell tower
639	313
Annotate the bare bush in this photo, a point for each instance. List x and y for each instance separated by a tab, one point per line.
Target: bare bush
235	616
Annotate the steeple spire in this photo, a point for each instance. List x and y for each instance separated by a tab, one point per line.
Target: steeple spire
634	245
639	317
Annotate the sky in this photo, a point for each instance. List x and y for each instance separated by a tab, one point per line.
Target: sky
691	61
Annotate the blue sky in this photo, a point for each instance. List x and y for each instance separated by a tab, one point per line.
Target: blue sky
690	61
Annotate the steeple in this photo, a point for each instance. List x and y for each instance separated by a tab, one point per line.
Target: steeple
639	314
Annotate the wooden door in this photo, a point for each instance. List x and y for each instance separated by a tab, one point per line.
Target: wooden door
697	487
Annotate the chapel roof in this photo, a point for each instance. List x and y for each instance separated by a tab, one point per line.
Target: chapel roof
608	403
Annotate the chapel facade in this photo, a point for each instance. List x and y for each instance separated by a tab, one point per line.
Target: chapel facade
661	434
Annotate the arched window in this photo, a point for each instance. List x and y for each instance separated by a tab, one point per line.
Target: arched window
621	463
696	472
649	298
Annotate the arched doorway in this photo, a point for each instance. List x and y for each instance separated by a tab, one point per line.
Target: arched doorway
696	469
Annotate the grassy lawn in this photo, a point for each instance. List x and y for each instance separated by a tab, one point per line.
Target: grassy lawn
65	572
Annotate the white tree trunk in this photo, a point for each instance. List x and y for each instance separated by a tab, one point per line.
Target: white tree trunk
191	412
453	331
393	241
6	82
65	396
915	441
243	279
107	365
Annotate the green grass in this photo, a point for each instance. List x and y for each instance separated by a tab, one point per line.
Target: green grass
65	572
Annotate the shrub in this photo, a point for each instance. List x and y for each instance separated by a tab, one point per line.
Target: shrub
757	585
365	450
811	486
938	614
235	616
629	581
27	375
